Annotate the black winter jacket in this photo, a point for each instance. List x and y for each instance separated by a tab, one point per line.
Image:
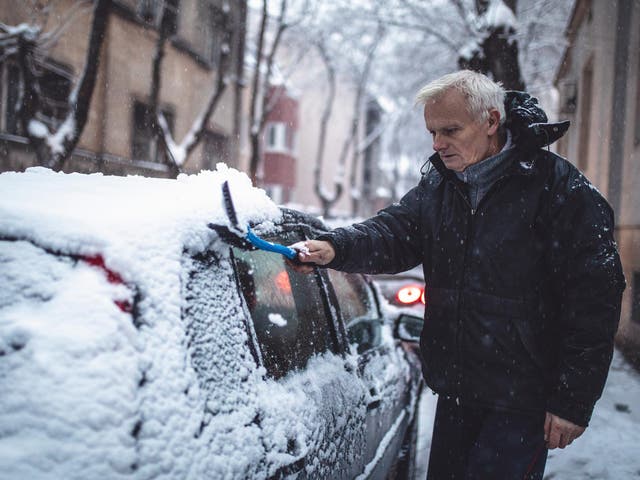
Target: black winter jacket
524	294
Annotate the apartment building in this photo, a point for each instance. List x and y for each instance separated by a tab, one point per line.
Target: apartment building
117	138
599	85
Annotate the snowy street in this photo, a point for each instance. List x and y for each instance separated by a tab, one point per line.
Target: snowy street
607	450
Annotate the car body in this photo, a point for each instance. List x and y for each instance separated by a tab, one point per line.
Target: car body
136	342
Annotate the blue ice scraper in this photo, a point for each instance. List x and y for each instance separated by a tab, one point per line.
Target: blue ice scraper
249	240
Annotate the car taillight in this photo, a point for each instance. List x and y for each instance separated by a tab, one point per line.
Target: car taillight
112	277
410	294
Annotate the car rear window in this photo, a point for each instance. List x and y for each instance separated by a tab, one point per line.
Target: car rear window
29	273
289	317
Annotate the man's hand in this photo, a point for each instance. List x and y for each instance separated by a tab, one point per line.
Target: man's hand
558	432
316	252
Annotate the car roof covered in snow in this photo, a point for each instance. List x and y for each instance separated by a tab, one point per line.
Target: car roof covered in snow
121	217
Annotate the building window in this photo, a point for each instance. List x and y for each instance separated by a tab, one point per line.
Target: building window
9	95
279	137
586	99
149	10
275	193
172	8
55	87
635	299
569	97
211	31
144	145
54	83
216	149
291	139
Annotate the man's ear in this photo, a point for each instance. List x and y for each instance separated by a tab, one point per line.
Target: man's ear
494	121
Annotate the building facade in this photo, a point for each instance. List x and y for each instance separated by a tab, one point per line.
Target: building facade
599	86
279	162
356	167
117	138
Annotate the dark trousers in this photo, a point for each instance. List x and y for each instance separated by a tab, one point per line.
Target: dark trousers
475	443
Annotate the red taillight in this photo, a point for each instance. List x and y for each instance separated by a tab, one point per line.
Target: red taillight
410	294
98	261
422	299
112	277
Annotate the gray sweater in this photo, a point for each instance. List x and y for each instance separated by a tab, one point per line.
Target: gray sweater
480	176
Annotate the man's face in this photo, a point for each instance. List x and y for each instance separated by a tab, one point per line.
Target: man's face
458	137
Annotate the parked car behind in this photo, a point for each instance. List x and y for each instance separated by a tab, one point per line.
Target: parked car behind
404	290
136	343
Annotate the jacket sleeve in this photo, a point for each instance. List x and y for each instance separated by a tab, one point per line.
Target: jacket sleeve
389	242
588	283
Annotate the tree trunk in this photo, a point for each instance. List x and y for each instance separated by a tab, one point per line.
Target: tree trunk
254	128
326	200
498	53
54	148
199	126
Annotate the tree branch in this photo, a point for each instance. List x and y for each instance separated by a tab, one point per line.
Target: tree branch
326	199
253	125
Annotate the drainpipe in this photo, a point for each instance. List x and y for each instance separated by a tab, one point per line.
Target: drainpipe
619	110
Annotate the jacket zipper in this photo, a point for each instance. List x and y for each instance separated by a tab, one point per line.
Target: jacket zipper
460	299
491	190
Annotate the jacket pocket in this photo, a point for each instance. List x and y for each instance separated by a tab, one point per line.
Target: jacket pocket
533	328
497	334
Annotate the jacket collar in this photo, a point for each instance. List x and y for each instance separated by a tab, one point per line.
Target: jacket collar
525	167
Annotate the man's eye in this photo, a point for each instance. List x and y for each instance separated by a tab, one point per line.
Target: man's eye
449	131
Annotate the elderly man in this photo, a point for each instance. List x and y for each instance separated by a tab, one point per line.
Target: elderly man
524	282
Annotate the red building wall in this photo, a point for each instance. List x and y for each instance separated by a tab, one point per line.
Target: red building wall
280	162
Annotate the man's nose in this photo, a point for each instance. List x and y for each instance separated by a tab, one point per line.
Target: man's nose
438	142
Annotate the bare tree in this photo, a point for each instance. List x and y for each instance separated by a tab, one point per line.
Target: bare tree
25	43
352	140
178	153
327	200
347	52
481	34
260	92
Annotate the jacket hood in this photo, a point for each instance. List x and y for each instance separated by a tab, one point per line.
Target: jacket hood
528	123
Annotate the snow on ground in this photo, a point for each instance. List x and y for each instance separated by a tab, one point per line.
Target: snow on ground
610	447
608	450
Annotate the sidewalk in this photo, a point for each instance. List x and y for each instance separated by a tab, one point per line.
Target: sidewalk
609	448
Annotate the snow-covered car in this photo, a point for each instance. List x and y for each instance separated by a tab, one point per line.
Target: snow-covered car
136	343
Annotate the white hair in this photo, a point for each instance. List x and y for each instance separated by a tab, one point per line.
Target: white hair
482	93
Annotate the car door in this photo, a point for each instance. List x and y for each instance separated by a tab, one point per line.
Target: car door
299	346
382	368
